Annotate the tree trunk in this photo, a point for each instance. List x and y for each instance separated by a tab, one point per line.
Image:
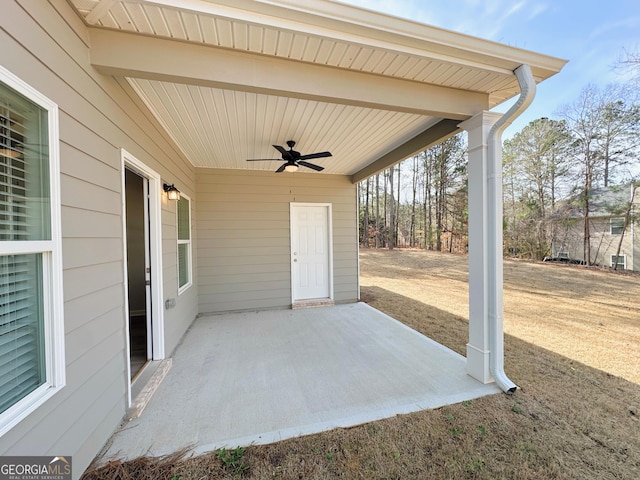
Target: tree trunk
425	206
378	210
392	217
396	230
414	188
606	163
365	217
587	231
440	199
430	206
385	201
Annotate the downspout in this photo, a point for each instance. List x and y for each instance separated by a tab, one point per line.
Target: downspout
494	202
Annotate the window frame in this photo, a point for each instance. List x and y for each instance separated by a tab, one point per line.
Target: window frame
52	278
183	288
621	256
620	226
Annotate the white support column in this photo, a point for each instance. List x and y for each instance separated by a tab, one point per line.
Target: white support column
480	221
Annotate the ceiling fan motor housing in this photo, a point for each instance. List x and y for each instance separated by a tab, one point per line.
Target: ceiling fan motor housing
293	158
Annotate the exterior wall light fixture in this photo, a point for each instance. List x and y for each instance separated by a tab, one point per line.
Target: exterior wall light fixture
172	192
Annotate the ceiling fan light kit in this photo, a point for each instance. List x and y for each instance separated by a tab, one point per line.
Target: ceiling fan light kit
294	160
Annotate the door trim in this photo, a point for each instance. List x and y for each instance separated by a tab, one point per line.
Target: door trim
329	208
155	258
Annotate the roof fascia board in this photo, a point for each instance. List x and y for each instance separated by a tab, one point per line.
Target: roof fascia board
433	135
357	25
139	56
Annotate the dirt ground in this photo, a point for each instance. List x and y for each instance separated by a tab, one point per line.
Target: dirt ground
591	316
572	345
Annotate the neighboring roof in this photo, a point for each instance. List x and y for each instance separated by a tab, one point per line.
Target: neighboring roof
604	202
229	78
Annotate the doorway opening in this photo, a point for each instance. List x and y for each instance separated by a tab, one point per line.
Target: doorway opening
138	271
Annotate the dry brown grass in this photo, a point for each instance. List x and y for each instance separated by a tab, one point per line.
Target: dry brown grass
572	345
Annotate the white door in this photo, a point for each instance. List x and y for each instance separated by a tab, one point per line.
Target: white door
311	251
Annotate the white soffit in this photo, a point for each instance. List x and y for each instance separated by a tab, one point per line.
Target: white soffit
439	58
220	128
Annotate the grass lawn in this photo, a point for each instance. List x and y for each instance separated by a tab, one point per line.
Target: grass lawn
572	344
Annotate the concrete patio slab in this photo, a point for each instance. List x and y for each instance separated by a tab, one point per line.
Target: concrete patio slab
259	377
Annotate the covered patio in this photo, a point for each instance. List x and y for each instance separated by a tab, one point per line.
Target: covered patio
142	97
259	377
231	82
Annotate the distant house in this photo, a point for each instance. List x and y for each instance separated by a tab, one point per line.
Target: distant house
107	107
608	226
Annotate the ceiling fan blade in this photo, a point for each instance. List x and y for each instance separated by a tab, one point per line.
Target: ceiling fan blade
317	168
281	149
264	159
281	169
315	155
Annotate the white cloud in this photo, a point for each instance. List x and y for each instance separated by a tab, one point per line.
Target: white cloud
482	18
606	28
537	9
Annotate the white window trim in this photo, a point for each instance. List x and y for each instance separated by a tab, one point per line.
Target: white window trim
611	221
189	242
52	268
621	256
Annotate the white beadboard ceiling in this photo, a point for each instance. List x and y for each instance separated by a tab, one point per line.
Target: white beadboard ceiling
222	128
220	125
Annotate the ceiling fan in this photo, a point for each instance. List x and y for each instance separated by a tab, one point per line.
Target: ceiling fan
293	159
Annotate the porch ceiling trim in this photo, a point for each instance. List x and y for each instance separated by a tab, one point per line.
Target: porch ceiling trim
347	23
228	79
431	136
137	56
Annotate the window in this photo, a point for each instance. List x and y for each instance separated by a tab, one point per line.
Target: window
31	325
621	260
616	226
184	243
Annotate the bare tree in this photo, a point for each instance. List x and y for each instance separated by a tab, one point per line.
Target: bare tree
619	132
438	176
392	212
583	120
414	192
446	161
396	226
629	62
535	162
428	205
605	128
364	239
378	211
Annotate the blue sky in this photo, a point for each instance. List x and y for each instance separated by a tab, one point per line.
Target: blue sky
591	34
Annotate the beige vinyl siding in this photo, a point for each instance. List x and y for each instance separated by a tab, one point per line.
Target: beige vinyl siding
45	44
604	244
244	241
